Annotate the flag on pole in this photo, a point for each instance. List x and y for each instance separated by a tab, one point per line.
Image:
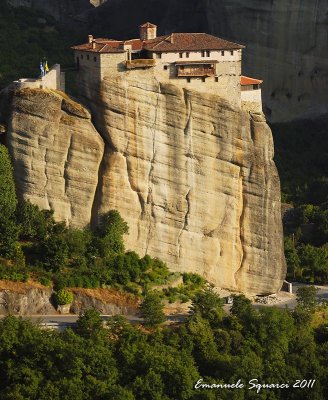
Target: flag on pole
41	69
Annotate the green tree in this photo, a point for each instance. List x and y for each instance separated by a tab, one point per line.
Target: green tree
151	310
314	261
78	241
54	251
9	232
35	224
90	325
306	297
241	306
109	234
8	200
208	304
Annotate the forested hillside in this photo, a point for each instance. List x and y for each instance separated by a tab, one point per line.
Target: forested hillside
125	362
301	154
26	37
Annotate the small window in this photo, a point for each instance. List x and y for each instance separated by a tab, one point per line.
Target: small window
208	53
94	59
188	80
77	59
81	56
216	79
187	55
159	55
165	67
231	52
203	53
88	57
204	79
180	55
222	53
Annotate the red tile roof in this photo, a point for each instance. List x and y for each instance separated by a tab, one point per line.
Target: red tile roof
109	46
189	42
168	43
136	44
245	80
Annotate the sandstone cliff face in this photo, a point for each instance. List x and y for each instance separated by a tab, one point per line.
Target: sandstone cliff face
193	176
286	47
195	180
56	152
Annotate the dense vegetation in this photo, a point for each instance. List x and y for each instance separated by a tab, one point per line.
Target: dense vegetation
124	362
302	159
28	36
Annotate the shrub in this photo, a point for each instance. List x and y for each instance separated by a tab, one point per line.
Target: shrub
45	281
194	280
63	297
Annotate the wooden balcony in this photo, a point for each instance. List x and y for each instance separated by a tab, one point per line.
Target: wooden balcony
195	71
140	63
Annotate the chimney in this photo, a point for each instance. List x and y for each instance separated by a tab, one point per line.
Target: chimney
93	44
171	38
90	38
148	31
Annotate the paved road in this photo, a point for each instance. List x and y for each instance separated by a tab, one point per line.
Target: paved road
60	322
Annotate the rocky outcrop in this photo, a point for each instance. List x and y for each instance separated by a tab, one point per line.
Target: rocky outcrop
31	298
193	176
25	299
195	180
107	302
56	152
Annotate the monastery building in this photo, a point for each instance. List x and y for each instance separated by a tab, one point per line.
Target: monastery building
193	60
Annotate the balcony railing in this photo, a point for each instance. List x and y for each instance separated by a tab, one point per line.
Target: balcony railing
186	72
140	63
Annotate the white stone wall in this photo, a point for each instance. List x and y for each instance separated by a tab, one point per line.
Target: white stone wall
54	79
226	83
113	64
251	100
27	83
252	95
197	56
